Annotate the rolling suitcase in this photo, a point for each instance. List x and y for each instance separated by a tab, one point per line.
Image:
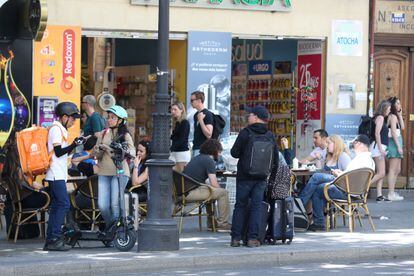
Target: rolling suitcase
263	223
281	222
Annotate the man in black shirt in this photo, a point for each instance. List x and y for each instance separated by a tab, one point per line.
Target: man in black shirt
203	121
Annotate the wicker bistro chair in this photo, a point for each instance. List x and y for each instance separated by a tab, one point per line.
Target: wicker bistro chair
142	206
355	184
84	200
18	190
183	185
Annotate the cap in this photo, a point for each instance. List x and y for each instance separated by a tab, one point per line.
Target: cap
260	111
362	138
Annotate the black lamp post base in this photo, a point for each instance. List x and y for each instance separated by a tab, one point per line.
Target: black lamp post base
158	235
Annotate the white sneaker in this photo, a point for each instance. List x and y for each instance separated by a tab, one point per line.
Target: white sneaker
395	197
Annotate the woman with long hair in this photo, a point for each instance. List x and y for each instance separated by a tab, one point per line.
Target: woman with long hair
109	184
337	156
378	148
140	171
395	146
180	152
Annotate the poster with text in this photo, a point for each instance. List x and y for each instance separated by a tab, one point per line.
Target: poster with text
209	71
57	67
344	125
308	102
347	38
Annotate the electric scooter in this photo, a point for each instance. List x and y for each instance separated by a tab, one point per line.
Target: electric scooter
121	232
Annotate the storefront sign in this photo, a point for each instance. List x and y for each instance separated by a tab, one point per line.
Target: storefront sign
247	51
251	5
394	17
209	70
308	101
345	125
57	67
262	67
347	38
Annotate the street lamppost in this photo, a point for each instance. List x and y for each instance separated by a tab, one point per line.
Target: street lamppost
159	232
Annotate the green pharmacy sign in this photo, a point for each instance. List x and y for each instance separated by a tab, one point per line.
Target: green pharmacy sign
252	5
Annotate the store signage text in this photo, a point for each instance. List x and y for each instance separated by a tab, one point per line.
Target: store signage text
394	17
262	5
261	67
247	52
68	75
347	39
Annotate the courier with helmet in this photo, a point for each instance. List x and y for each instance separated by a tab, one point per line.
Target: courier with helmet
57	173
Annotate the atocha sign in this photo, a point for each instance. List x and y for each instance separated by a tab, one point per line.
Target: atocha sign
260	5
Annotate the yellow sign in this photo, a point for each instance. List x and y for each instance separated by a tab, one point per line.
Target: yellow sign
57	66
394	17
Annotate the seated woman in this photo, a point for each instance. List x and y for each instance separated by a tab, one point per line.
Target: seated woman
84	162
140	171
337	158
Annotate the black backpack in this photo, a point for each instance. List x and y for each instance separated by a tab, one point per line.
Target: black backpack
367	127
260	153
218	126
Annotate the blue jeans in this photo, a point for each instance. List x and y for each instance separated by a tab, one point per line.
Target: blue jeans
319	201
59	206
245	190
108	196
313	183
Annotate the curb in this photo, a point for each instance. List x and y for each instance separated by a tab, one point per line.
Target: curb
227	260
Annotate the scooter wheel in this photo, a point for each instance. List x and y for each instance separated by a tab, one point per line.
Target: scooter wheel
125	241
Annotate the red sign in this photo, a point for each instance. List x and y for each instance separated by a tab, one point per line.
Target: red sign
308	101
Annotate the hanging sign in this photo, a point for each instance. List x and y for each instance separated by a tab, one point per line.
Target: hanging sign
260	67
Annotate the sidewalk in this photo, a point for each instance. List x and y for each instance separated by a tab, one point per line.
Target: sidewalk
394	238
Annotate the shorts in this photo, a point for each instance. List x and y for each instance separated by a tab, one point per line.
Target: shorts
375	151
393	149
180	156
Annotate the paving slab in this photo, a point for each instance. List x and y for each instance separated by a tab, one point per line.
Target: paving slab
394	238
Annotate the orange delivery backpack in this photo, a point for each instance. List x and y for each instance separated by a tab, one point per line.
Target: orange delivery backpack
35	159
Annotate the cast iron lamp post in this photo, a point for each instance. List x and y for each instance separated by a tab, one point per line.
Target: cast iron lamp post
159	232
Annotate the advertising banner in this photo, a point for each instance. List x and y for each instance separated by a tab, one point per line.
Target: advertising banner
57	67
209	71
345	125
15	88
308	102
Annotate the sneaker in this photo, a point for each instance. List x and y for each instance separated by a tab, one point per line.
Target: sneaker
316	227
253	243
235	243
395	197
382	199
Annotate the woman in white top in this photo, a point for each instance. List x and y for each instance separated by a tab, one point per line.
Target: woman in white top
395	146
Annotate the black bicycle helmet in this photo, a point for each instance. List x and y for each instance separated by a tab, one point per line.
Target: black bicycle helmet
67	108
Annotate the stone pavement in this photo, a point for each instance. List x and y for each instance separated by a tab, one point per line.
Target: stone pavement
394	238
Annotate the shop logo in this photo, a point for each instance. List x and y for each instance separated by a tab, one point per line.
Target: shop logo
68	68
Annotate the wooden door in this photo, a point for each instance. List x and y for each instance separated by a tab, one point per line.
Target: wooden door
391	74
